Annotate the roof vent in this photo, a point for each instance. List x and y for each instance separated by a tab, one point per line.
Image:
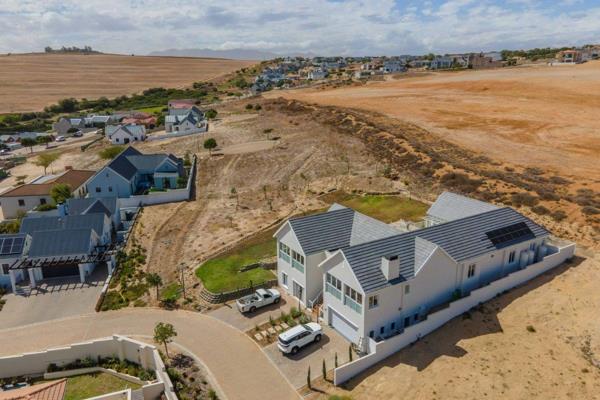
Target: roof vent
390	266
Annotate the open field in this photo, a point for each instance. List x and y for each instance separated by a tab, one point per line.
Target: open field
538	341
535	116
30	82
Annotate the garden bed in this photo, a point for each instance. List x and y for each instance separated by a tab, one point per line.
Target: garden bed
267	333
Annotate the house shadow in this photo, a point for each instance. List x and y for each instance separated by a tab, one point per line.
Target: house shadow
68	283
478	321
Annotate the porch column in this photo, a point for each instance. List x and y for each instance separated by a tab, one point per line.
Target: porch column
32	283
82	272
13	280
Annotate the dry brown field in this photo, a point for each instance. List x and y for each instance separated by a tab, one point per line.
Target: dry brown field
539	116
29	82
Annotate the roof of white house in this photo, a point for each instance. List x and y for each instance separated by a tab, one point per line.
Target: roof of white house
450	206
461	239
337	228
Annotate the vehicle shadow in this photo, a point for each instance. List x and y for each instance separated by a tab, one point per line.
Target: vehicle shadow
479	321
309	349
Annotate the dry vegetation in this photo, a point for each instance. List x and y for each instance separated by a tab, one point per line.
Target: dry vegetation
30	82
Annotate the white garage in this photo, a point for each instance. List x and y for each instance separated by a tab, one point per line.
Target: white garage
343	326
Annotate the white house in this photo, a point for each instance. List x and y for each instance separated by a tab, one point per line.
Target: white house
372	282
392	66
184	119
124	134
317	74
450	206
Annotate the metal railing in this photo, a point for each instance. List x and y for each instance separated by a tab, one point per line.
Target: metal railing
297	265
352	304
333	290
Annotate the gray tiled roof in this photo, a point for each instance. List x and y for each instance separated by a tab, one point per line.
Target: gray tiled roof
462	239
131	161
60	243
450	206
337	228
122	166
69	222
88	205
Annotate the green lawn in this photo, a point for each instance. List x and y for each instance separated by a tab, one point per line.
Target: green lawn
222	274
90	385
152	110
172	291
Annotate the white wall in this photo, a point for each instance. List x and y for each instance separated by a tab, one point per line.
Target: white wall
10	205
287	237
384	349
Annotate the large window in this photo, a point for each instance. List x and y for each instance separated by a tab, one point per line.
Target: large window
298	257
471	271
21	202
511	257
5	269
284	279
373	301
284	248
353	294
333	285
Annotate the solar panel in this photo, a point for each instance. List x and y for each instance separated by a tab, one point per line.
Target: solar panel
509	233
17	246
6	246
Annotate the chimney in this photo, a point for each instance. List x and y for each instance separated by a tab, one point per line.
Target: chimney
390	266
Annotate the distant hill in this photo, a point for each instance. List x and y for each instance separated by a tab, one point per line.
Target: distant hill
233	54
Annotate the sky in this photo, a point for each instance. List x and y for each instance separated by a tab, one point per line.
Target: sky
333	27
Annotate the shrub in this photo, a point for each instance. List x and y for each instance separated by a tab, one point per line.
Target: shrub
530	328
211	113
559	215
258	107
460	181
589	210
45	207
540	210
249	106
522	198
294	312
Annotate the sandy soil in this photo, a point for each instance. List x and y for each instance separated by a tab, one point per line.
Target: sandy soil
493	355
29	82
536	116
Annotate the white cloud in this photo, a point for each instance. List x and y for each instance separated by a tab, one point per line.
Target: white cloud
325	27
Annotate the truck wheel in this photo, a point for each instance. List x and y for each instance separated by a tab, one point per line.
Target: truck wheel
317	338
295	350
277	300
252	309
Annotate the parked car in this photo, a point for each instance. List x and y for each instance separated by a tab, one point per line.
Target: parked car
292	340
78	134
258	299
4	152
60	139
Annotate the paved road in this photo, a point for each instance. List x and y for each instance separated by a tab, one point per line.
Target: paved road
241	369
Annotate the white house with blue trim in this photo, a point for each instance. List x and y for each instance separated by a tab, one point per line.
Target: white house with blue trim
371	282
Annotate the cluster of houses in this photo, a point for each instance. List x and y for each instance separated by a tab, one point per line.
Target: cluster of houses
371	281
578	55
74	237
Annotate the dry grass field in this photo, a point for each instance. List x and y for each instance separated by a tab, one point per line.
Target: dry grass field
538	116
29	82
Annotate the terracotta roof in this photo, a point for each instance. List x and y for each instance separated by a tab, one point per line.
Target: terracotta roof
73	177
54	390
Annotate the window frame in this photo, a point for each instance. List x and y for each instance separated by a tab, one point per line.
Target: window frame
373	301
298	257
284	279
471	270
21	202
512	256
353	294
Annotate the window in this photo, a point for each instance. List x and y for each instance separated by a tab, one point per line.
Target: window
406	321
5	268
371	334
471	271
110	188
21	202
373	301
42	201
283	247
392	326
532	246
284	279
416	317
511	257
98	189
298	257
407	289
333	281
353	294
382	330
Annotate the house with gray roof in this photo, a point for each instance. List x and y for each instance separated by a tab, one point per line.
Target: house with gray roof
132	173
370	282
125	133
64	125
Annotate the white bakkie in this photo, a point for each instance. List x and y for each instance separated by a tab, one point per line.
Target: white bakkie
258	299
292	340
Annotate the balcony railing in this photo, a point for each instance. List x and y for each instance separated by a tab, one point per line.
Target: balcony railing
352	304
333	290
284	256
297	265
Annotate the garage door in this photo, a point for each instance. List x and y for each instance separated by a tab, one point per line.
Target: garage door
340	324
54	271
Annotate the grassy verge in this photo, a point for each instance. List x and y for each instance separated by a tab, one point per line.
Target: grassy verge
222	274
91	385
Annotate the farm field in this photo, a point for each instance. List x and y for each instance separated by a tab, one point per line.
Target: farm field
537	116
29	82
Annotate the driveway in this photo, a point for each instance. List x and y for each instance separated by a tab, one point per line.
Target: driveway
229	313
295	367
240	368
54	299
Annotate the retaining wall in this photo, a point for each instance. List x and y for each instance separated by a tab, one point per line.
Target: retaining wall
216	298
380	351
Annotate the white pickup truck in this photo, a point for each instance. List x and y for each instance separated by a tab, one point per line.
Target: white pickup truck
258	299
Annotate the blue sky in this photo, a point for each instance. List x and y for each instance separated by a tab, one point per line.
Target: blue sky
345	27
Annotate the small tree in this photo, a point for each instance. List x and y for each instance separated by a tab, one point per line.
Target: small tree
267	132
324	370
44	140
44	160
60	193
155	280
210	113
308	378
28	142
210	144
164	333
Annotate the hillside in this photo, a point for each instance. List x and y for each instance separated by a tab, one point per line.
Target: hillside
29	82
